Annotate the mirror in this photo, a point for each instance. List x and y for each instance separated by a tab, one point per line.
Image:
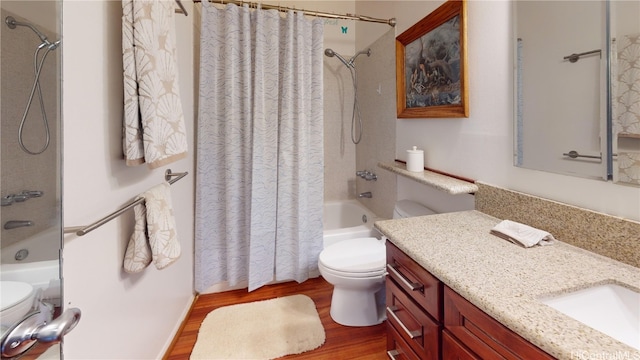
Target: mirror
561	87
31	233
576	88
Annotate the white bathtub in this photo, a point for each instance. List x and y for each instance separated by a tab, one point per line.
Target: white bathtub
40	268
346	220
42	246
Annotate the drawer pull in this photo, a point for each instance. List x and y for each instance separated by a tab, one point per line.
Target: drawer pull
412	334
392	354
413	286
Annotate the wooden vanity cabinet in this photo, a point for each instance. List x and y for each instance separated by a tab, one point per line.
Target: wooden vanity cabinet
427	320
481	334
414	306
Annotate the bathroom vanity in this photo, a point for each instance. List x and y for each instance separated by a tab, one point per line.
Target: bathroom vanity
456	291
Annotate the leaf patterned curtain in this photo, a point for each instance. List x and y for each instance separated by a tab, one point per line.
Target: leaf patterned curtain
259	184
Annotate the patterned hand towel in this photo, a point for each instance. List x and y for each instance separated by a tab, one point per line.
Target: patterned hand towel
154	237
153	130
138	254
161	226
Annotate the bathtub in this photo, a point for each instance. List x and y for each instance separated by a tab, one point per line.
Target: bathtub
41	268
346	219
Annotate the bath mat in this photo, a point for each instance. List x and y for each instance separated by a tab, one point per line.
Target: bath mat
265	329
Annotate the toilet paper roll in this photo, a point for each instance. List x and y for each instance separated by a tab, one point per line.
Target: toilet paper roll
415	160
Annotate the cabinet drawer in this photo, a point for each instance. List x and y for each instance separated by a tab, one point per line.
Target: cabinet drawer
397	348
423	287
412	323
482	334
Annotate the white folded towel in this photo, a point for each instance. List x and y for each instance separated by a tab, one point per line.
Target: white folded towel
522	234
154	237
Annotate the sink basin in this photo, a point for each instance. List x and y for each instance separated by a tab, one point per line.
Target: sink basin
608	308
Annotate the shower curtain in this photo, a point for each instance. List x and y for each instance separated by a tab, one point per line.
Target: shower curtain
259	181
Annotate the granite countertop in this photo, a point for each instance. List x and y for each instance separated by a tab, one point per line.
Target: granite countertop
441	182
505	280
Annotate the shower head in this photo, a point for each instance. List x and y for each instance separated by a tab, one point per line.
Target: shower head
12	23
330	53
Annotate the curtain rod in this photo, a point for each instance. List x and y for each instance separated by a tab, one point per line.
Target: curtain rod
391	22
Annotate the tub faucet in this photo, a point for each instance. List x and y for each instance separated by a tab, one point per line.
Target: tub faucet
367	175
13	224
365	195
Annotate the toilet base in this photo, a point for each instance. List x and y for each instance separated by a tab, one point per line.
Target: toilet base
358	308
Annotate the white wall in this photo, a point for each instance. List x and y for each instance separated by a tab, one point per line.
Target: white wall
123	316
480	147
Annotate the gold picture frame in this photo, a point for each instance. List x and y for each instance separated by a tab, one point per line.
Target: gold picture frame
431	65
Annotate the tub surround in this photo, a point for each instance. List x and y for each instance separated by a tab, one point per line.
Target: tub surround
441	182
603	234
505	280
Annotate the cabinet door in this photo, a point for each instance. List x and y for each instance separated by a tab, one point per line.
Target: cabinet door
421	286
482	334
412	323
453	350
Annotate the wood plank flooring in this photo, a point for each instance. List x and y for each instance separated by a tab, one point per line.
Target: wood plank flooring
342	342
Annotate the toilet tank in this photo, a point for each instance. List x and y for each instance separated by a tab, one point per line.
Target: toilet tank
408	208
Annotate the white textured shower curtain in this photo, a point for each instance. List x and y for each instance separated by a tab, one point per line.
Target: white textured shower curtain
259	180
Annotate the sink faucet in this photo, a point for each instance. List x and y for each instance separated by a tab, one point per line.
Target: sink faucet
365	195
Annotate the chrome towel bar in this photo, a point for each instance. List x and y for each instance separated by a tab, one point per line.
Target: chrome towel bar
83	230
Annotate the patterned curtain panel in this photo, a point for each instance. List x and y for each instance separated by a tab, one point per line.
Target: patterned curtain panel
259	183
627	107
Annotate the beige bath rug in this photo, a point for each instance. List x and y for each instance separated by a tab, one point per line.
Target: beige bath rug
260	330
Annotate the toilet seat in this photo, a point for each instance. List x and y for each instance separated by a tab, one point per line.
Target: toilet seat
16	300
355	258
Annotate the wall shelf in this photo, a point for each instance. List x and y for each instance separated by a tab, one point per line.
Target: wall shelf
439	181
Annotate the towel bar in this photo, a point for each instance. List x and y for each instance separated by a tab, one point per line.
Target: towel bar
169	176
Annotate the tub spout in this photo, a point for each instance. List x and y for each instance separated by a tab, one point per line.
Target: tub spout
13	224
365	195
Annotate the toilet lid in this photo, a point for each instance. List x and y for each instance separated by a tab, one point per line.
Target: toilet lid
13	293
360	255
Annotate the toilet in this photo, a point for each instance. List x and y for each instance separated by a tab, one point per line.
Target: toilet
356	268
16	302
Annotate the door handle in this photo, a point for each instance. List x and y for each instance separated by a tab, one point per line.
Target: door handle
36	327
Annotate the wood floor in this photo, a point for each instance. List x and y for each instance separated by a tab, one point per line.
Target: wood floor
342	342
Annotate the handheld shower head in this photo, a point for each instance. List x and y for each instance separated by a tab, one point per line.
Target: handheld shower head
330	53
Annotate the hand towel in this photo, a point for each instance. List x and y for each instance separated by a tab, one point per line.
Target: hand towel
138	254
154	237
161	226
153	130
522	234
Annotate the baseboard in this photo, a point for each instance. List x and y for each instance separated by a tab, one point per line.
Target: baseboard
180	328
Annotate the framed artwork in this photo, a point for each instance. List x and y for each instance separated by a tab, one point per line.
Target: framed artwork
431	65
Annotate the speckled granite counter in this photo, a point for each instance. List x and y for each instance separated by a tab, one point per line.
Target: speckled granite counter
441	182
505	280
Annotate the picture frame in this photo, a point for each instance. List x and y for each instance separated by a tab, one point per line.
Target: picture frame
431	65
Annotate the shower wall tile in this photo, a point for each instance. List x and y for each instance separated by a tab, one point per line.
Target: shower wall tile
339	151
377	99
21	171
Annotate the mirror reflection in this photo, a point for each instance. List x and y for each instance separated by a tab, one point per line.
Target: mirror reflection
561	87
625	89
30	153
577	88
